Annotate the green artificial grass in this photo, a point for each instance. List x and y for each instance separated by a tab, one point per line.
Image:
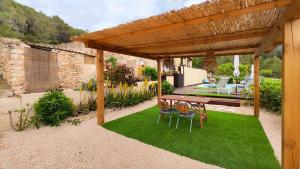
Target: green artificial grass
227	140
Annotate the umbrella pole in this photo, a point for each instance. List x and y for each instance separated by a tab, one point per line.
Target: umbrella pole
236	84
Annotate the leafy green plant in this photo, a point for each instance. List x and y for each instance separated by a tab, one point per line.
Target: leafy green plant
266	73
90	87
270	94
92	104
167	88
150	72
53	107
112	61
24	121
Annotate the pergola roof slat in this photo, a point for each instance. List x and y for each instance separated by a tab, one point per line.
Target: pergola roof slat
227	25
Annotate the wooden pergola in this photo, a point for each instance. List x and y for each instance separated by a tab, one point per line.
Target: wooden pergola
215	28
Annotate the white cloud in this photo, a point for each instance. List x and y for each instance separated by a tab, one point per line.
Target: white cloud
95	14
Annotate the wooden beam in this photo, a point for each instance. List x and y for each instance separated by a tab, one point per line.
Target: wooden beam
291	96
204	55
158	77
206	51
117	49
205	19
270	41
256	86
204	40
273	34
100	86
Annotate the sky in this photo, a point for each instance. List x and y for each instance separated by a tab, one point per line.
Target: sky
94	15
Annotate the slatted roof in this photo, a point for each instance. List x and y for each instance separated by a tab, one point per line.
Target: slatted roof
221	27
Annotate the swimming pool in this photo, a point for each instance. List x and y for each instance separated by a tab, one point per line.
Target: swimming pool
215	85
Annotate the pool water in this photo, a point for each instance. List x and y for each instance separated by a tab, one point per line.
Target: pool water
214	85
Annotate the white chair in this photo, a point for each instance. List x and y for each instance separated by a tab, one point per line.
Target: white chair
247	83
222	85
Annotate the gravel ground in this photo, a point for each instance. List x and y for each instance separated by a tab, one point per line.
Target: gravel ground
91	146
87	146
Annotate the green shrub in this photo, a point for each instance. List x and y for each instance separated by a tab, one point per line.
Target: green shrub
53	107
150	72
167	88
274	64
266	73
270	94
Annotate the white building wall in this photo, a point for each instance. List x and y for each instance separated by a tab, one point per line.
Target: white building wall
194	76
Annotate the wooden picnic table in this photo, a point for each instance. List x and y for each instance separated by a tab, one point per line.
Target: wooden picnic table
196	102
201	101
189	99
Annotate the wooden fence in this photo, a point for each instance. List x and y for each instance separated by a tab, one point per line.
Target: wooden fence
41	70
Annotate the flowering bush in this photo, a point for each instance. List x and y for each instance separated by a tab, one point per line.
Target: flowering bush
125	95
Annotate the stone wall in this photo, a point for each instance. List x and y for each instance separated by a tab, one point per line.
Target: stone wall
70	69
12	63
89	71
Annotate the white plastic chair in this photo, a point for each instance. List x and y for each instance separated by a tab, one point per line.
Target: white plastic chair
221	85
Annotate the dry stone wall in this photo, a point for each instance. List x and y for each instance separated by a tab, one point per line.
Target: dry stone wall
70	69
12	63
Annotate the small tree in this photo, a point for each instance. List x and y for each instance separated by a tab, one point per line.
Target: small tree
121	74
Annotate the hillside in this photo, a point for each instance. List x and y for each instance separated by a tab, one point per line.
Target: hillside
22	22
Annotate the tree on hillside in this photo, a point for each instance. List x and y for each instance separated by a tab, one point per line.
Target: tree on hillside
22	22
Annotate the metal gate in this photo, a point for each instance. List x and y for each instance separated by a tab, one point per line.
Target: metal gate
41	70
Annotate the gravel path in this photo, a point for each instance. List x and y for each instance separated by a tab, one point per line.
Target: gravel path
87	146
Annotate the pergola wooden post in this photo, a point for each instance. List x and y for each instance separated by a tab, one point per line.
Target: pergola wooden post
256	86
100	86
158	77
291	96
